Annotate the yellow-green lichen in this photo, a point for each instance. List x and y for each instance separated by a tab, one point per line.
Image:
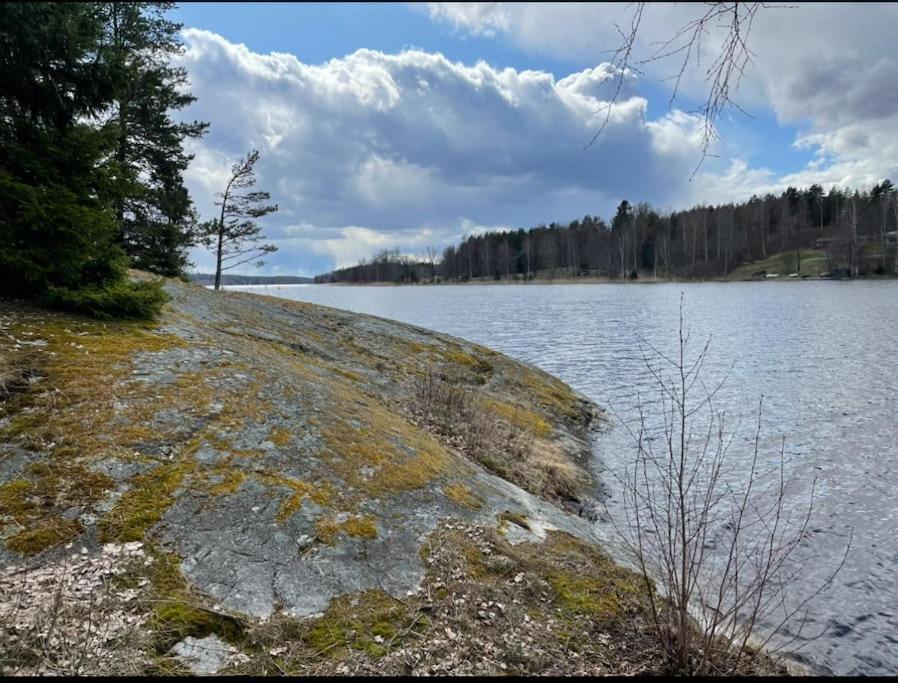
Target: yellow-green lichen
221	444
50	531
15	501
83	371
600	598
20	426
143	506
321	493
177	612
229	483
348	374
377	450
520	417
30	504
463	495
517	518
280	437
457	356
361	527
371	622
551	393
326	529
61	481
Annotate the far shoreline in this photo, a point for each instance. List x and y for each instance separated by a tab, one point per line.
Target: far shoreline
602	281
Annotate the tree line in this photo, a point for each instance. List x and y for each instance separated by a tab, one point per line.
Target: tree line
856	231
92	161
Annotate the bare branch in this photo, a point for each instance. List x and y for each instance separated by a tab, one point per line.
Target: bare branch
714	540
723	76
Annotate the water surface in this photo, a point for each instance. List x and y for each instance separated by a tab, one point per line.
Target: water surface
824	356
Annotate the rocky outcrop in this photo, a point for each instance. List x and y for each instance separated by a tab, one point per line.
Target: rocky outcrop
274	466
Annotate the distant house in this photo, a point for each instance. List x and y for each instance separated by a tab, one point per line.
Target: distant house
825	242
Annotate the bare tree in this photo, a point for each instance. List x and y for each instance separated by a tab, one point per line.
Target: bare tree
850	211
505	249
724	74
431	254
895	244
235	235
711	540
527	250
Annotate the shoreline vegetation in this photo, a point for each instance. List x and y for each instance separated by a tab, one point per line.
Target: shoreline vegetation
233	279
804	231
598	281
211	468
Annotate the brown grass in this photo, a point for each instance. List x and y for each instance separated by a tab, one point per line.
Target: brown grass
510	440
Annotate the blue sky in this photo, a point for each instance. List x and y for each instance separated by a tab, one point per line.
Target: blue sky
317	32
413	142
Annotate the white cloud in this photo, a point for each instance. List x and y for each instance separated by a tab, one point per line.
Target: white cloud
386	182
478	18
376	150
828	68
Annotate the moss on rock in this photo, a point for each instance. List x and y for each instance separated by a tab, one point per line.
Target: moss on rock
371	622
360	526
178	612
463	495
48	532
144	504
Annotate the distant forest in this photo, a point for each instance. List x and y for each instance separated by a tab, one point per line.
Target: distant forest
842	232
231	279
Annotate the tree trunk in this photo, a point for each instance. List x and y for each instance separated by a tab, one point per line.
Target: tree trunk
667	249
221	231
218	261
120	141
705	231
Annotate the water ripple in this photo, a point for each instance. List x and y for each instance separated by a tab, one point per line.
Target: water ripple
824	355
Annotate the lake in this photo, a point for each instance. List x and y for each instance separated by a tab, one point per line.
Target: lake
824	356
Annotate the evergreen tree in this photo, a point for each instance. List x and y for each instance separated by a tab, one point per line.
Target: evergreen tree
153	210
622	217
56	236
235	236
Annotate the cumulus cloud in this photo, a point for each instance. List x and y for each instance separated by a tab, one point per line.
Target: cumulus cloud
377	150
828	68
477	18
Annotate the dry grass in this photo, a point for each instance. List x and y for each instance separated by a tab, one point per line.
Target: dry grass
561	607
70	617
486	608
509	440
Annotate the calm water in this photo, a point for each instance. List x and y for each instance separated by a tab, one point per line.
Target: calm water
824	355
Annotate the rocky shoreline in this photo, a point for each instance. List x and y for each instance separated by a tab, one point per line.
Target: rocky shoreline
264	486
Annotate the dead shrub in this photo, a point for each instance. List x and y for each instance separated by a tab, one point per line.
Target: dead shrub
445	402
452	404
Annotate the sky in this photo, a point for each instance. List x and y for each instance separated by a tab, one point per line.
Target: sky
403	125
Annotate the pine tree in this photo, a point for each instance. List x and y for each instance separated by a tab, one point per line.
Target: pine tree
235	236
153	210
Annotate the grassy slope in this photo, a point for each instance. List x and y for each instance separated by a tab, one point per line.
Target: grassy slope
813	262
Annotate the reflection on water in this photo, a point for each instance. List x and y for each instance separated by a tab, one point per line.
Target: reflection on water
824	355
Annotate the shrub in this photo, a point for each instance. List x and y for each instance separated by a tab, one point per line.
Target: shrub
712	540
119	299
